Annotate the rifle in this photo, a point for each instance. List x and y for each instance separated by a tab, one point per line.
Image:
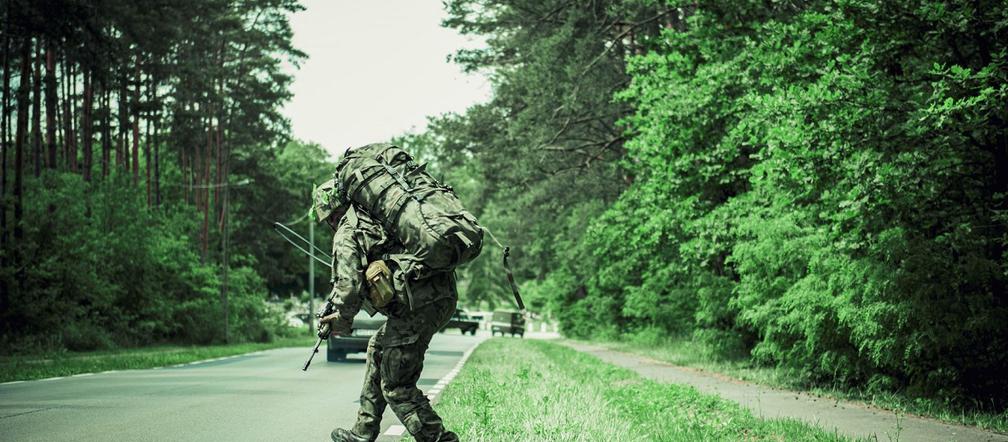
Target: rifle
323	329
313	252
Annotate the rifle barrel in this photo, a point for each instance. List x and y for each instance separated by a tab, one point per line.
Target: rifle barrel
317	345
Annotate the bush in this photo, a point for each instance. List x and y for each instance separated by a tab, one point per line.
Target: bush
102	271
814	193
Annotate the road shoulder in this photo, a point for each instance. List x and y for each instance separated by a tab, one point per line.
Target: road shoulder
530	389
850	418
22	368
393	430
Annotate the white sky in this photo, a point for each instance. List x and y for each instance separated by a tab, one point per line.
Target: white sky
375	69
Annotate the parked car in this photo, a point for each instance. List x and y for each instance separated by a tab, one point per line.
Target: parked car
461	321
363	328
507	321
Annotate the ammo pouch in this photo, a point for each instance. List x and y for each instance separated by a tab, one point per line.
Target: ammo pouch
379	278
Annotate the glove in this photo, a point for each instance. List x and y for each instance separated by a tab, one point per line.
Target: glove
335	324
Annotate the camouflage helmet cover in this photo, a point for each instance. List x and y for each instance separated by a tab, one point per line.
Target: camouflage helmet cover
324	200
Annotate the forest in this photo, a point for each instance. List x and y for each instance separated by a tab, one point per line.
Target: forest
144	161
818	186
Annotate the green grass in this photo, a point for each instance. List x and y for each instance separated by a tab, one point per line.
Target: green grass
691	353
19	368
513	389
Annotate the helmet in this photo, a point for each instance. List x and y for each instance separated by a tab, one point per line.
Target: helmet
324	200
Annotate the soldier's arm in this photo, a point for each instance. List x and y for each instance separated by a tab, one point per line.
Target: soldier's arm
349	262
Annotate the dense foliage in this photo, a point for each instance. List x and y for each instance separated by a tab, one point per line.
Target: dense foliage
144	161
832	182
540	159
821	186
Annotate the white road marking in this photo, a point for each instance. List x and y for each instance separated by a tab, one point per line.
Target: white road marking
395	430
444	381
152	368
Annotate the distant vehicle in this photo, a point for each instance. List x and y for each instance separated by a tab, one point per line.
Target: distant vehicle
463	322
506	321
363	328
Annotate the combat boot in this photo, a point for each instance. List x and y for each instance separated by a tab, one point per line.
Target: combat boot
341	435
425	426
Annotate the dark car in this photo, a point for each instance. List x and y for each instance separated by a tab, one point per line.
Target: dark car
461	321
507	322
363	328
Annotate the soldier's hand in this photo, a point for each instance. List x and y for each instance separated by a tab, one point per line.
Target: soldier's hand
337	324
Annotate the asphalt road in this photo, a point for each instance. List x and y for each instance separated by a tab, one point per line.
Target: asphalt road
259	396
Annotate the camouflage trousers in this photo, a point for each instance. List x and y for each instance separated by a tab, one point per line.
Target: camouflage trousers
395	358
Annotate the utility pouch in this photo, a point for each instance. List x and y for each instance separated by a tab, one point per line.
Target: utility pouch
379	277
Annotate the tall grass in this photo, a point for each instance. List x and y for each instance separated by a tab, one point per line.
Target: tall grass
538	391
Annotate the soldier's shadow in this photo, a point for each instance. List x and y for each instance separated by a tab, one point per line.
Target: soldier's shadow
350	361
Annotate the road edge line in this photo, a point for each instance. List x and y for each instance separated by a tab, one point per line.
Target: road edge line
184	364
398	431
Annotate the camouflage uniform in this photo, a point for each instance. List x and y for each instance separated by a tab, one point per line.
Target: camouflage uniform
395	353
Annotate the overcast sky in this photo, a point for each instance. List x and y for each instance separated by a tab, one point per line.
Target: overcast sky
375	69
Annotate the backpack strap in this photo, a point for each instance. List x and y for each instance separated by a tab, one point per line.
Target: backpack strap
507	269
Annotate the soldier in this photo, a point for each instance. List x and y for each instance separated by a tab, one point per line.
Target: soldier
395	353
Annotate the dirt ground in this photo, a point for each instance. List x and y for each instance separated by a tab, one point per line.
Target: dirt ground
850	418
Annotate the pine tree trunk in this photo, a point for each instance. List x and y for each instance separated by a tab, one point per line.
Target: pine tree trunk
157	148
196	164
122	150
217	158
136	126
106	127
187	176
20	138
182	167
147	143
50	99
37	113
157	163
196	169
69	151
222	178
225	264
71	108
86	125
60	139
4	139
205	189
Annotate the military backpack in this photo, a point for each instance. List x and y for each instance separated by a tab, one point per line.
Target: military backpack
427	218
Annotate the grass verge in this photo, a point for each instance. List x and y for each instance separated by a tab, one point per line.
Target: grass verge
514	389
690	353
22	368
